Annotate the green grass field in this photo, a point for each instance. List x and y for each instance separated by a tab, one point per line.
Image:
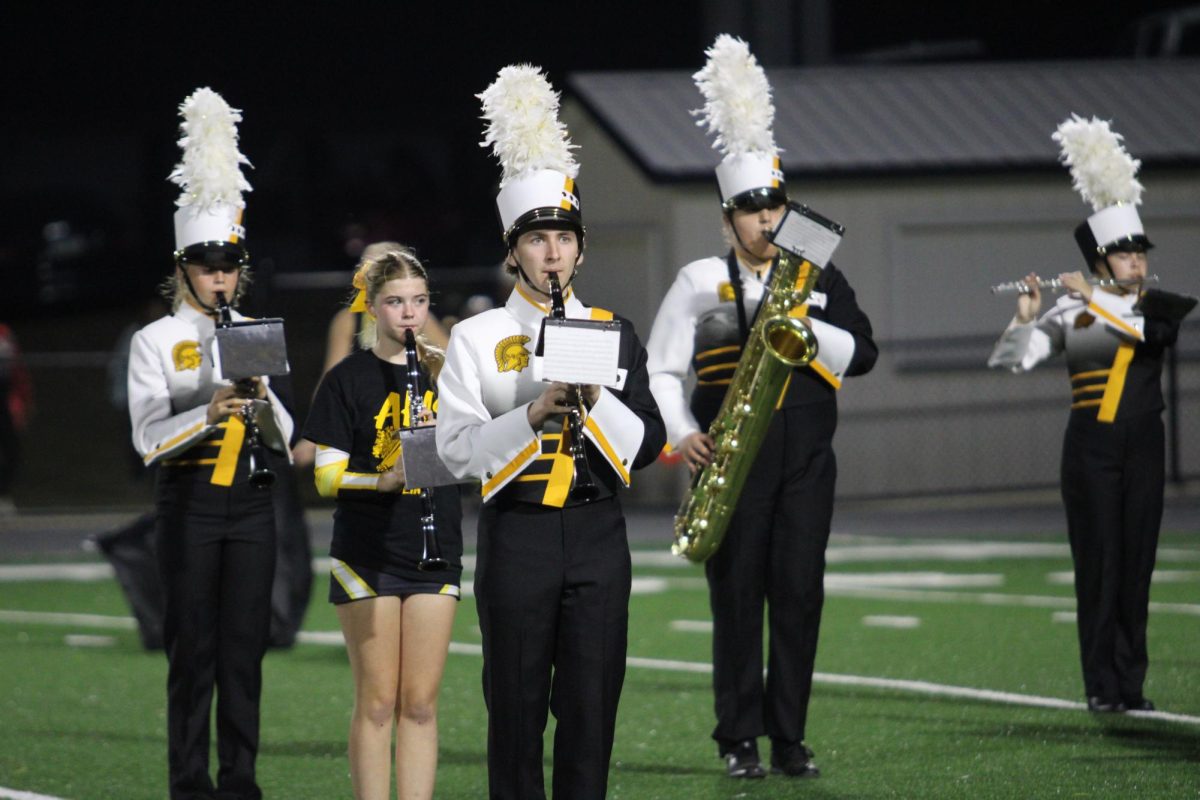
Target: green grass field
85	718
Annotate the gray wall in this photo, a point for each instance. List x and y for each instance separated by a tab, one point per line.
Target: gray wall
920	253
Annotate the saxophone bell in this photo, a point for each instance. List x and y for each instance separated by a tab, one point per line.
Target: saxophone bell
790	341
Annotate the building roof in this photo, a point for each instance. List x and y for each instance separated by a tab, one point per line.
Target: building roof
871	119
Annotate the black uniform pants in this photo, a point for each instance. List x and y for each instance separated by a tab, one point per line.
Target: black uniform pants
774	552
552	589
1112	487
216	556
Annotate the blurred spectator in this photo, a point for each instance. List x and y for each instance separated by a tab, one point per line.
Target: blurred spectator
16	408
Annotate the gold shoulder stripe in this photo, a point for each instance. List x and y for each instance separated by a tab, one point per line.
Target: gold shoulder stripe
1115	320
601	314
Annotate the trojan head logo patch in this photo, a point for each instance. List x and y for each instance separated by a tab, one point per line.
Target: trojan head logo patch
725	292
186	355
511	355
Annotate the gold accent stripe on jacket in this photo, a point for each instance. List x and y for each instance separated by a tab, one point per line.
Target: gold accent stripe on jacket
1116	383
500	477
174	440
231	446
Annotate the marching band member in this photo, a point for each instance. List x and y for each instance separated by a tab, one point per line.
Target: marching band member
396	614
1113	451
215	532
553	574
774	550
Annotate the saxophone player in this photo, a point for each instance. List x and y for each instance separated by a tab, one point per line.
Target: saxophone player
552	579
774	549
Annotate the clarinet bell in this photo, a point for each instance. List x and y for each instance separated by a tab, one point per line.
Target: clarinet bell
432	564
261	476
584	491
431	554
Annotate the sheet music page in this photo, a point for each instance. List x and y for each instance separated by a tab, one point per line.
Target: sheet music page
807	238
579	351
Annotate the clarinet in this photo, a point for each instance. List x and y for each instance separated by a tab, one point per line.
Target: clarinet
583	488
431	551
261	476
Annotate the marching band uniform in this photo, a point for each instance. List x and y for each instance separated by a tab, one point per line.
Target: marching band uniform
1113	453
553	575
774	548
215	533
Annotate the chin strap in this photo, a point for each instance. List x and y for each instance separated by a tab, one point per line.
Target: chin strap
738	238
533	286
212	310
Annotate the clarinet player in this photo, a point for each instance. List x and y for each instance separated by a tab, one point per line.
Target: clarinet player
395	605
553	575
214	530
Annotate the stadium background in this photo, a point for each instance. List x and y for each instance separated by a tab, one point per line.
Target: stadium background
361	124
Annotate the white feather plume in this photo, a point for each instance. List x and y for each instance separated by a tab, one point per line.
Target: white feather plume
210	171
737	99
523	129
1103	173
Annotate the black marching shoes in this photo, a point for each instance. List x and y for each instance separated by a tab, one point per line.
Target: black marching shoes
1104	705
1139	704
793	759
741	760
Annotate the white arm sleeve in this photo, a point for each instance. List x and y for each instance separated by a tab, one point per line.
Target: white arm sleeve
669	358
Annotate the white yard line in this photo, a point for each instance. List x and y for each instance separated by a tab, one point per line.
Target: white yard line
916	551
17	794
334	639
68	620
991	599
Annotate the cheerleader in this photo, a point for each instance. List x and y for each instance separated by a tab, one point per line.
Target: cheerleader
395	615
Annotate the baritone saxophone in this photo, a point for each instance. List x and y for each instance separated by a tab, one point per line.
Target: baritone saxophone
778	342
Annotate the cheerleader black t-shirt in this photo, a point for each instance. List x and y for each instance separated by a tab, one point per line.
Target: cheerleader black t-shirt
358	407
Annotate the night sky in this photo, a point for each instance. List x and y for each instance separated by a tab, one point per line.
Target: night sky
360	119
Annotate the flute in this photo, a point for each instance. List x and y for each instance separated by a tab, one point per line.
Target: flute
1054	284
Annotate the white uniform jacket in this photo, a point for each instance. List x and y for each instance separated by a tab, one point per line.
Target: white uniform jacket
490	376
171	381
703	286
1101	340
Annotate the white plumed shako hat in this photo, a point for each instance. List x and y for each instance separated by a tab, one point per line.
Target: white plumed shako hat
208	221
537	185
738	109
1105	176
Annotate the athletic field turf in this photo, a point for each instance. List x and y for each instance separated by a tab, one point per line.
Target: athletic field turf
947	668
